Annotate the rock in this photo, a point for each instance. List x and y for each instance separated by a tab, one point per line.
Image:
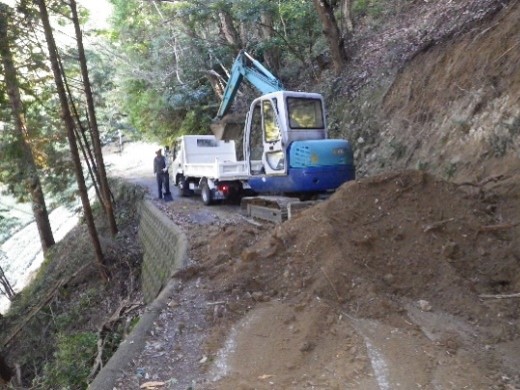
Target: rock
389	278
307	346
249	255
258	296
424	305
451	250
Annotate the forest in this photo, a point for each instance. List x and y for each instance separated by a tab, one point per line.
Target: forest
394	74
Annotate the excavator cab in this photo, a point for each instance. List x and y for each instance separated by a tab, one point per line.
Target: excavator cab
286	145
264	138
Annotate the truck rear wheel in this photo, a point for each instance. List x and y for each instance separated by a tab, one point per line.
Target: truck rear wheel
184	189
205	194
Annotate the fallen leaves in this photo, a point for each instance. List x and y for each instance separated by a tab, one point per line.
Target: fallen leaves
152	385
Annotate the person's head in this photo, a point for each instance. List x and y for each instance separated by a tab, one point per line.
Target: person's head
158	152
166	148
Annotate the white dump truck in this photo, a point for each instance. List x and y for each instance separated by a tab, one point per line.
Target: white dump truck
203	164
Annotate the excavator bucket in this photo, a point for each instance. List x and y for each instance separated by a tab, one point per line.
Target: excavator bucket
229	127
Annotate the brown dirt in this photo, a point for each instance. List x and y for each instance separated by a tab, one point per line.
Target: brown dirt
379	287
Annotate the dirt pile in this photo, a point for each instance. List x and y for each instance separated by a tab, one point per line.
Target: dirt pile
382	285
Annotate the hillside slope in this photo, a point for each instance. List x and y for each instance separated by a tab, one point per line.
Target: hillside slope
435	88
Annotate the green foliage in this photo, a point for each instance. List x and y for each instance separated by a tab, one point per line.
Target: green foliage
398	149
422	165
168	51
499	144
43	130
7	225
12	164
85	300
450	170
195	122
73	361
513	125
148	113
372	8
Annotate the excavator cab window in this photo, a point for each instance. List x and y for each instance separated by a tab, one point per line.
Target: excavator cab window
255	141
272	130
274	156
305	113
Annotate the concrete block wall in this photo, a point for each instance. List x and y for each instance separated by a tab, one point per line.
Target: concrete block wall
164	248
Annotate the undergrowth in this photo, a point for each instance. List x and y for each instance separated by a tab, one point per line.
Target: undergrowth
52	326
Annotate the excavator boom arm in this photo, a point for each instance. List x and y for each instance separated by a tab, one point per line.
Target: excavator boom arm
247	67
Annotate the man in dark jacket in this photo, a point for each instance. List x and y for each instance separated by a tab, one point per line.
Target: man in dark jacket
159	167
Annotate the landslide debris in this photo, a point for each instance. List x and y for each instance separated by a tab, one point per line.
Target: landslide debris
400	252
401	279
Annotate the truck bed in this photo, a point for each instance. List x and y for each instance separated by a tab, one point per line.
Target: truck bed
218	170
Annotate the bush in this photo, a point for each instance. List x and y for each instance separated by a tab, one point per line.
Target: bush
74	358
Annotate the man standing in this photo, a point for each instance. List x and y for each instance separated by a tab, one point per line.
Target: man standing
159	165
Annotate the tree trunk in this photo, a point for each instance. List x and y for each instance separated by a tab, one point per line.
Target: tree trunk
332	33
5	371
272	54
6	287
346	10
32	180
228	29
244	32
96	143
218	83
69	124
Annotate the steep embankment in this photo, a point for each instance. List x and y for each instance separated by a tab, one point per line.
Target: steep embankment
434	87
457	104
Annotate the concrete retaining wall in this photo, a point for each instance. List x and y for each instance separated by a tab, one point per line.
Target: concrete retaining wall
164	248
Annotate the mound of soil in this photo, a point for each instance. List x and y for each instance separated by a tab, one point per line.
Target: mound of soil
386	282
401	280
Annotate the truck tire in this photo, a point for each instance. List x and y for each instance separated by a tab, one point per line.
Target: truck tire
184	189
205	194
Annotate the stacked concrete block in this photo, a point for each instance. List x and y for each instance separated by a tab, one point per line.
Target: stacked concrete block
164	247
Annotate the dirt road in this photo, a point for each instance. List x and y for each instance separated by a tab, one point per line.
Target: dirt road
398	281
